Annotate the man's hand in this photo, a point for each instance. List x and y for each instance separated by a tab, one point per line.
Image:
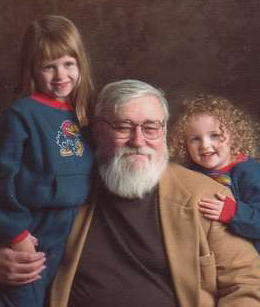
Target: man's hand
19	268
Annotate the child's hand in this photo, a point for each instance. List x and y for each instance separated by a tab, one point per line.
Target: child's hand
211	207
26	245
33	239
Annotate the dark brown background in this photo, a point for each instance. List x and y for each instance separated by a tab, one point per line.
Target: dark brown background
179	45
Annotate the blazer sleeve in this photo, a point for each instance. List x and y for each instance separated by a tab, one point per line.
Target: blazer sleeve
238	268
14	216
246	221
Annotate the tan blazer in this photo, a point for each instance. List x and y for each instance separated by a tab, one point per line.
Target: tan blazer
209	266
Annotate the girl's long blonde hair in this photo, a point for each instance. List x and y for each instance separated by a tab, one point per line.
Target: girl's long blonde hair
50	38
244	132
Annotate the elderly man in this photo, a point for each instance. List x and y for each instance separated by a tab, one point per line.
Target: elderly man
140	240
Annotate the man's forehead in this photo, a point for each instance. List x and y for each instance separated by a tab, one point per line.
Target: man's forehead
141	108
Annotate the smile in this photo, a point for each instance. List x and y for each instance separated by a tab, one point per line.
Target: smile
60	85
207	154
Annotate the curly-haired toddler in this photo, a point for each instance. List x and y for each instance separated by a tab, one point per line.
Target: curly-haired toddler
216	138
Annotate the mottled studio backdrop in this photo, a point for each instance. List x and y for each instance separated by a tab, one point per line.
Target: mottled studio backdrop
179	45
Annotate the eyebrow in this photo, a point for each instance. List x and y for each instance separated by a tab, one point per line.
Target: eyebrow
212	131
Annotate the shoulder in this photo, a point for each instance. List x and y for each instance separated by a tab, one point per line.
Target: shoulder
250	166
20	105
189	177
249	162
192	181
21	113
246	175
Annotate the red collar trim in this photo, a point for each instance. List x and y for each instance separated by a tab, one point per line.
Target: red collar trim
52	102
239	158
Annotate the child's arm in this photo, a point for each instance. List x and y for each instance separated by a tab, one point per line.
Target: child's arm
246	219
220	209
26	245
13	137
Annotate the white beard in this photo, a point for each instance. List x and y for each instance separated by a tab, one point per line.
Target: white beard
124	177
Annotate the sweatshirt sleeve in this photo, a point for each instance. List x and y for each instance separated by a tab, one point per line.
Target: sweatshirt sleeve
228	210
14	216
246	221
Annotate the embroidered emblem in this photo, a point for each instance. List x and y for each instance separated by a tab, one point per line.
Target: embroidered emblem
68	139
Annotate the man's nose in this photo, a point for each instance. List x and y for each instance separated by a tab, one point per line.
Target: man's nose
137	139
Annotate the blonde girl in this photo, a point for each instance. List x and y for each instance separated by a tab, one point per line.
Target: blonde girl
218	139
45	160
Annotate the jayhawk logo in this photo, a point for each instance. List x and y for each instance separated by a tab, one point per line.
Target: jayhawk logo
68	139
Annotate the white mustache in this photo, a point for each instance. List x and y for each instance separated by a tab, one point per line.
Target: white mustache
135	151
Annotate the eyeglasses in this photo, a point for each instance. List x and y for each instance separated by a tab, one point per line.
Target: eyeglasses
151	130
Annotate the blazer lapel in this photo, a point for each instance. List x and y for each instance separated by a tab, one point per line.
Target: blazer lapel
181	238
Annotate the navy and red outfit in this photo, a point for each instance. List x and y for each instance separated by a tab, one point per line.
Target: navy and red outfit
45	165
243	215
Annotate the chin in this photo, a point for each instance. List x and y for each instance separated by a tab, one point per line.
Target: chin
137	162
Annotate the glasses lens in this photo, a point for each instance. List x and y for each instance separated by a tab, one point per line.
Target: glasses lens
152	130
122	130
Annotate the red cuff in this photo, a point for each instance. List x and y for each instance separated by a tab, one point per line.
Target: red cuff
20	237
228	210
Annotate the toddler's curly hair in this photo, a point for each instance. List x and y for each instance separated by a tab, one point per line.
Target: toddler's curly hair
243	131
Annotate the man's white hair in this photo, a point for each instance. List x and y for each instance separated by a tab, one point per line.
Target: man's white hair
116	94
